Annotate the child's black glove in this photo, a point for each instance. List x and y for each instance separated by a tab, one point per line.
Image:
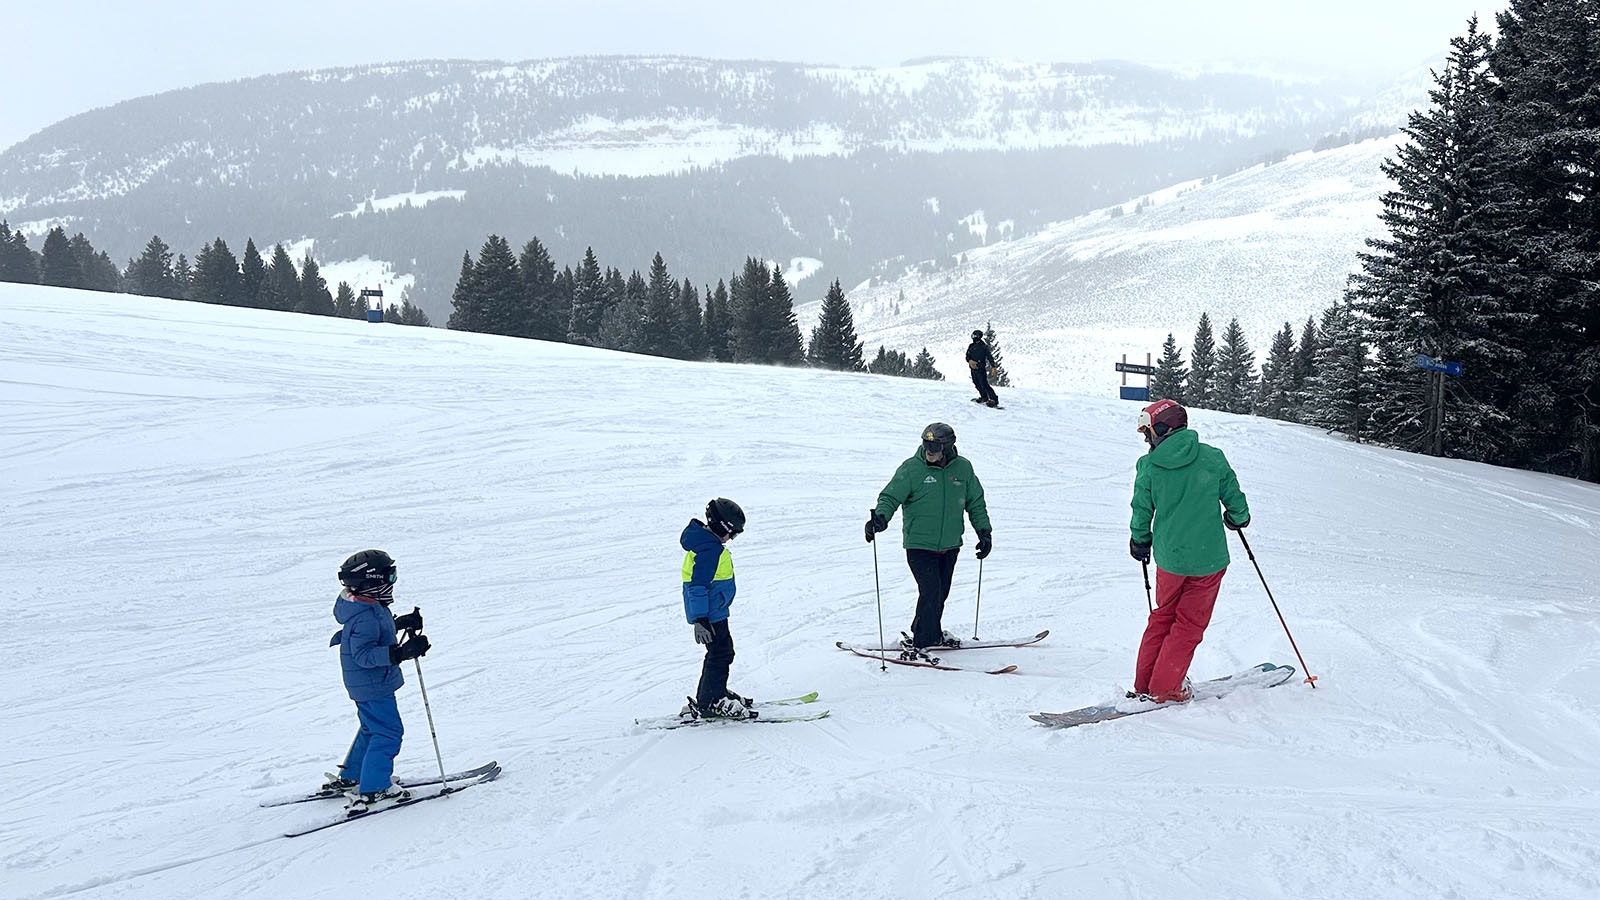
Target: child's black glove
411	621
417	646
702	631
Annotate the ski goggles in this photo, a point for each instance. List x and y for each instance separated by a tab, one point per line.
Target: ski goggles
935	447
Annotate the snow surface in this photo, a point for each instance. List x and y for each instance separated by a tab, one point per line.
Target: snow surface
183	480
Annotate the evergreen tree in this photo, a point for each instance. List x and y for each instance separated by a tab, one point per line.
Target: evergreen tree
252	274
182	278
99	272
833	341
314	297
548	311
1305	363
1170	376
589	301
1202	384
1546	110
1273	399
719	341
787	346
280	289
998	376
889	362
344	301
747	305
408	313
60	265
467	309
622	326
16	260
923	367
660	333
1428	287
1236	372
216	275
151	274
1338	388
691	335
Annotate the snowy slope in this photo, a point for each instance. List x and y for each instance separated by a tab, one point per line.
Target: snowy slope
1269	245
182	481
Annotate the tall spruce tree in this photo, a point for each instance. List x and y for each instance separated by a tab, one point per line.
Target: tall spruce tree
151	274
1201	387
1338	389
1274	395
548	311
182	277
60	266
314	296
718	327
787	347
833	341
344	301
280	289
659	332
468	310
1171	374
622	326
16	259
922	367
691	338
252	273
216	275
589	301
1236	372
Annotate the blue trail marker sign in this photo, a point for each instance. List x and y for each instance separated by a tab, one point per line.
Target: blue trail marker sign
1453	369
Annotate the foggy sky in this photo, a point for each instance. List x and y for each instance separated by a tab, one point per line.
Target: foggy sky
70	58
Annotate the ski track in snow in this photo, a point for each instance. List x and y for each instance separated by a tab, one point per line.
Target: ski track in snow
184	480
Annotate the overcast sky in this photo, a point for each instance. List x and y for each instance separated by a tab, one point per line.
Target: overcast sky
66	58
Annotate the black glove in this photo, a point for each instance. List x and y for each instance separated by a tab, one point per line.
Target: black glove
417	646
411	621
702	631
985	542
1231	526
1138	551
875	524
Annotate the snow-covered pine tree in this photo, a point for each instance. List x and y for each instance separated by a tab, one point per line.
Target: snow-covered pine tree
1273	396
833	341
1201	388
1236	372
1337	388
691	338
589	301
922	367
660	333
1171	374
548	312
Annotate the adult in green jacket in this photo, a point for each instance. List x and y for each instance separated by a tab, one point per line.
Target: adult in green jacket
1184	495
936	486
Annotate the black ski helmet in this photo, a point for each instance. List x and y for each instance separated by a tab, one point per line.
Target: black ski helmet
977	334
724	517
370	573
939	438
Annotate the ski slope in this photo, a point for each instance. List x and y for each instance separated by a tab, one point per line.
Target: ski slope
182	481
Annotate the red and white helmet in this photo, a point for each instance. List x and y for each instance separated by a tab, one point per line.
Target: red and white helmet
1163	417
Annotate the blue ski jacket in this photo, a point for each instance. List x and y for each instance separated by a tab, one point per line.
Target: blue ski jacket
708	587
364	644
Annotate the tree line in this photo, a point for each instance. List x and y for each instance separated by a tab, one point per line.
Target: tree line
747	317
215	276
1491	263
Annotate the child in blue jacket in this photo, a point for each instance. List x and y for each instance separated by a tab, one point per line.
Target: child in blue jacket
708	591
369	656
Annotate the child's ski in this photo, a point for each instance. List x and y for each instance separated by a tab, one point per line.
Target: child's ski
419	781
448	790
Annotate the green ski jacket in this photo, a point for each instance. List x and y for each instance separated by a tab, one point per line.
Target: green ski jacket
934	498
1183	486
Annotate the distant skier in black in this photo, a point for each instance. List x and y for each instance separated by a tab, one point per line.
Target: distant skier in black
980	360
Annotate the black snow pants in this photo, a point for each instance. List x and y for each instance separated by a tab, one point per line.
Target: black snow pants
714	670
933	570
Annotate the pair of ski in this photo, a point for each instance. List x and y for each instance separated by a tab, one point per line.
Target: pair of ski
1265	675
927	660
762	711
421	788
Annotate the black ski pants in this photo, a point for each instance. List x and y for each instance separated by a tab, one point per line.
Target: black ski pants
980	380
714	670
933	570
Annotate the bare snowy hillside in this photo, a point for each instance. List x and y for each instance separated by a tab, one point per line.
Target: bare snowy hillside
1267	245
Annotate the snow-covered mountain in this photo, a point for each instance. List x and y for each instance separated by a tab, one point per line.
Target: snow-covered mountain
1273	244
706	161
183	480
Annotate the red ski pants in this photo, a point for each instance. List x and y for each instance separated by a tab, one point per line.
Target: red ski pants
1183	610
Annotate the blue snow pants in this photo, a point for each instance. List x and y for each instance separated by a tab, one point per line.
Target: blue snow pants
371	757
